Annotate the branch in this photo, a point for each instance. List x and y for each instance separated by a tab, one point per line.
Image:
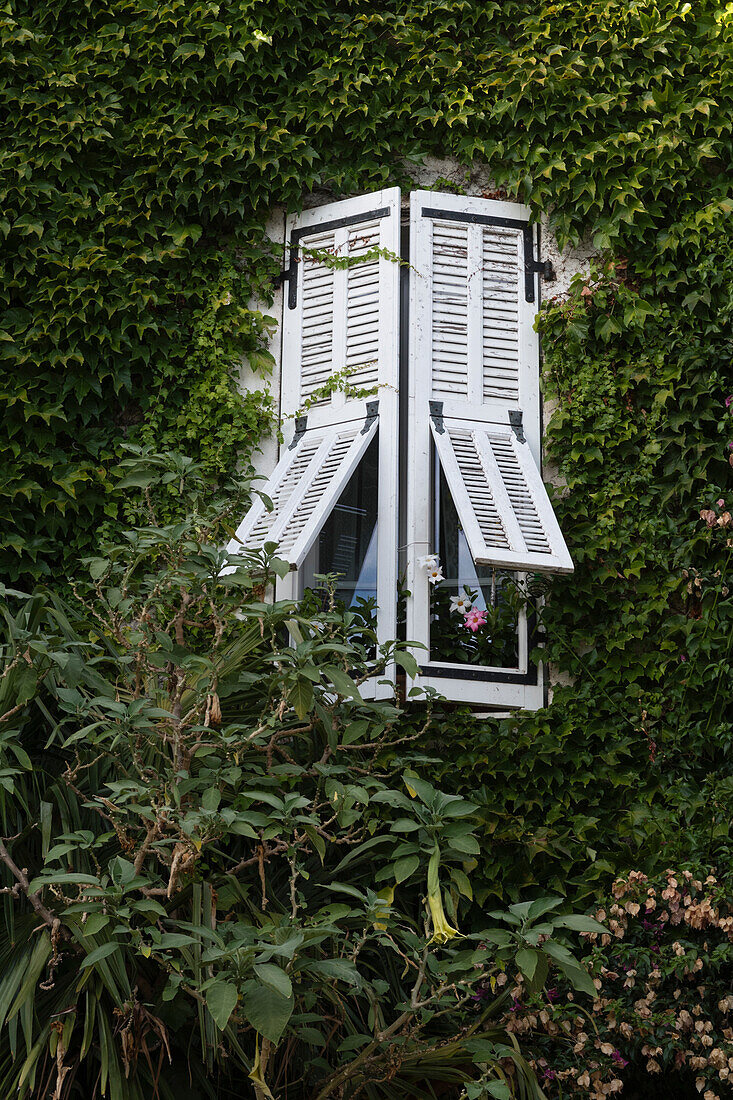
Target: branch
22	880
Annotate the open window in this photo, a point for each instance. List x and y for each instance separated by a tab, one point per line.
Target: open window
474	501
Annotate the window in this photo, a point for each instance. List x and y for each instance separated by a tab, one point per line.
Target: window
465	452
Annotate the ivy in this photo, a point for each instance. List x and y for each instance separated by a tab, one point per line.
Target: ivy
145	146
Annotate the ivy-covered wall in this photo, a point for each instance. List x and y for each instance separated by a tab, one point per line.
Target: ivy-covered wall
145	144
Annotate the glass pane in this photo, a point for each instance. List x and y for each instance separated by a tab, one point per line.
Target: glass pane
476	611
347	545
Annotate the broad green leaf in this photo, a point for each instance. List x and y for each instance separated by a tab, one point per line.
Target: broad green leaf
344	684
274	977
405	867
266	1010
579	923
221	1000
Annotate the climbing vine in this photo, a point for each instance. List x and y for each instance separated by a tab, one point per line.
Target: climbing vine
146	144
146	148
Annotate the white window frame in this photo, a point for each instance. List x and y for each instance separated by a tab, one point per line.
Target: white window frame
480	686
513	417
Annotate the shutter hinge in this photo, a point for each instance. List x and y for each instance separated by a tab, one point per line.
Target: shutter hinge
436	415
515	419
372	411
289	274
533	267
301	424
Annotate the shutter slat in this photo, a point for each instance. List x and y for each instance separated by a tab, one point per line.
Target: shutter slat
501	501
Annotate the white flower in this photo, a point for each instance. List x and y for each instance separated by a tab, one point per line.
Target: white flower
461	604
429	561
435	574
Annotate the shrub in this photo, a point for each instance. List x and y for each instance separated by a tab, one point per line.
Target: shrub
662	1020
208	870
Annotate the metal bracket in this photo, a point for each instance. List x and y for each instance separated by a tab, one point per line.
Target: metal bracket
436	415
290	274
533	267
372	411
301	424
515	419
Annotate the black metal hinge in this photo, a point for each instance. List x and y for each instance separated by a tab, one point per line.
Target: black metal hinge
533	267
515	419
436	415
301	424
372	411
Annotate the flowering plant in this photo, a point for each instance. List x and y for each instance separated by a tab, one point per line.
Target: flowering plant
664	1008
463	632
475	619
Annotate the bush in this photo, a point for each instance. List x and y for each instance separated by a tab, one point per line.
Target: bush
662	1021
209	871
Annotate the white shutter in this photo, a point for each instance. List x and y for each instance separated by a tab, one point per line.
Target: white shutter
342	318
337	318
474	402
499	496
304	488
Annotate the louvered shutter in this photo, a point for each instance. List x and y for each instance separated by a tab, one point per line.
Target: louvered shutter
304	488
474	367
338	317
474	407
342	316
499	496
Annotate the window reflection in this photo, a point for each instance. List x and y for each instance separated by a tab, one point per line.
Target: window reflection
489	638
347	544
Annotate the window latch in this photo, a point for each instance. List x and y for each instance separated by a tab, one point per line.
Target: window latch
372	411
515	419
436	415
301	423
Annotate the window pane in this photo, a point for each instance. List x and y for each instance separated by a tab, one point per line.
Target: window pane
347	545
489	637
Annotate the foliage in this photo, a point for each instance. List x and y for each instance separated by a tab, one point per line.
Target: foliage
147	144
629	764
661	1020
207	870
490	638
145	147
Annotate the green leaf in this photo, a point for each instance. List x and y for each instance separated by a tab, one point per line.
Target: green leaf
301	697
579	923
405	867
275	978
94	923
211	798
499	1090
344	684
527	960
266	1010
221	1000
102	952
407	662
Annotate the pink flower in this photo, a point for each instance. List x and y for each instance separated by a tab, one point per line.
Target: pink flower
474	619
729	400
721	503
